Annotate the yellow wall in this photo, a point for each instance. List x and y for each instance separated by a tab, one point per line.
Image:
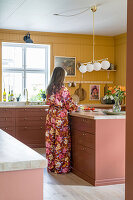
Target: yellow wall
120	59
71	45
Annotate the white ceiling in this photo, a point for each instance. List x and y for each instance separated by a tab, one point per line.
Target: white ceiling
37	15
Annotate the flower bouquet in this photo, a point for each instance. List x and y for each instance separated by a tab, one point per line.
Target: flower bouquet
116	93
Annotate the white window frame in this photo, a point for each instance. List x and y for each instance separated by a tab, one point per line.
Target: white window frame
24	70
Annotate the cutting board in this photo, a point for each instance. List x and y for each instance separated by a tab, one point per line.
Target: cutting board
80	92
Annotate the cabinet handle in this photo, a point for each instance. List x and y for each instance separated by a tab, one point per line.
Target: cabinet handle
25	109
25	127
25	118
41	118
41	127
5	119
6	128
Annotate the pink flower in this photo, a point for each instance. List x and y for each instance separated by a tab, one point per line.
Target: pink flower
64	94
53	120
60	156
64	150
62	114
47	151
65	129
59	138
65	170
47	144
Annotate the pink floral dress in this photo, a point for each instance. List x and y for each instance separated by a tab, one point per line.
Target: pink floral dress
58	140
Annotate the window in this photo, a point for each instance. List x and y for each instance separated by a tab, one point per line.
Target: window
25	66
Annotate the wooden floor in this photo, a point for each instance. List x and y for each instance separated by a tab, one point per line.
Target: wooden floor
71	187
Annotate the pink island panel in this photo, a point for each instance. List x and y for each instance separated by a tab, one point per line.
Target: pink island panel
110	151
21	185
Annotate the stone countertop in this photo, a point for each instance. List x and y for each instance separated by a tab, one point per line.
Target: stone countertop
14	155
96	115
102	105
25	106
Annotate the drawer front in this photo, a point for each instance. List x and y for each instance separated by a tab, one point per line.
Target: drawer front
9	130
30	128
30	121
31	136
86	139
7	122
86	161
7	112
83	124
27	112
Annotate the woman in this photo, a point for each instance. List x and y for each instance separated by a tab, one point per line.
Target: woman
58	141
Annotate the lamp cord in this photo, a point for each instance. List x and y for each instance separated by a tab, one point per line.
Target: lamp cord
93	40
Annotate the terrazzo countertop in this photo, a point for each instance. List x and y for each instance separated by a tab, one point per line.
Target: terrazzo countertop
96	115
14	155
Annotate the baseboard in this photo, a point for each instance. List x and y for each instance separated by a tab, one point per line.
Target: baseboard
98	182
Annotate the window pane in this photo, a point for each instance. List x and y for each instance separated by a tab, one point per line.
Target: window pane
14	81
11	57
35	58
34	83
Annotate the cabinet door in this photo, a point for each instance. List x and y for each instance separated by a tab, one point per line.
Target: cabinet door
30	126
31	136
9	130
86	139
86	161
83	124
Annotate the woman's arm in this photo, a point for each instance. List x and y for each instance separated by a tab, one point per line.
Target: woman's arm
68	101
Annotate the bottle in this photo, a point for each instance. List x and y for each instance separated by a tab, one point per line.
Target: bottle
4	95
11	96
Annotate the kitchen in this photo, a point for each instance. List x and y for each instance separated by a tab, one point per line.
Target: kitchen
27	122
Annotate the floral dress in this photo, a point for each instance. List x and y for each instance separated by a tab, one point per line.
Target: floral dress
58	140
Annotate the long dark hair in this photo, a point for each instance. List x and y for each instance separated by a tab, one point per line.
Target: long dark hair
57	81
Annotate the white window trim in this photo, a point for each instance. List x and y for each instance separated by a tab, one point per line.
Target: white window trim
25	70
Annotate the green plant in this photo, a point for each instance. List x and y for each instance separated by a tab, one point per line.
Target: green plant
39	97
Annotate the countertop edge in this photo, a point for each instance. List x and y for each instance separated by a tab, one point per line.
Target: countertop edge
23	165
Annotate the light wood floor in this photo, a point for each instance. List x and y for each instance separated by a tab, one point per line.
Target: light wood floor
71	187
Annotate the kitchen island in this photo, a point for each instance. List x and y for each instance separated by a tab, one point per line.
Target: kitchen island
21	170
98	147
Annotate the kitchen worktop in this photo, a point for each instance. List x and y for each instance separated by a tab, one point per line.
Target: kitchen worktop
14	155
21	105
96	115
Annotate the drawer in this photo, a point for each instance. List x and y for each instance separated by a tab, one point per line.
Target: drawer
30	128
7	112
86	139
9	130
83	124
31	136
86	161
30	121
27	112
7	122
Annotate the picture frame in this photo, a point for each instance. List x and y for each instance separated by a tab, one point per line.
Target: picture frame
68	63
95	92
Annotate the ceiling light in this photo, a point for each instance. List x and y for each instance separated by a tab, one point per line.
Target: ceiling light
94	64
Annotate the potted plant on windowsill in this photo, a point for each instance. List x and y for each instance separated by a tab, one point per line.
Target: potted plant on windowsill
43	94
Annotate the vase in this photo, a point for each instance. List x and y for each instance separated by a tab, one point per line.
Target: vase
117	106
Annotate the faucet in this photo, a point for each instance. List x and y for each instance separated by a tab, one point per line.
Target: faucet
26	93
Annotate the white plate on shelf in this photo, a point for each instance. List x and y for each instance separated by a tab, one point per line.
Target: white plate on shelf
108	112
